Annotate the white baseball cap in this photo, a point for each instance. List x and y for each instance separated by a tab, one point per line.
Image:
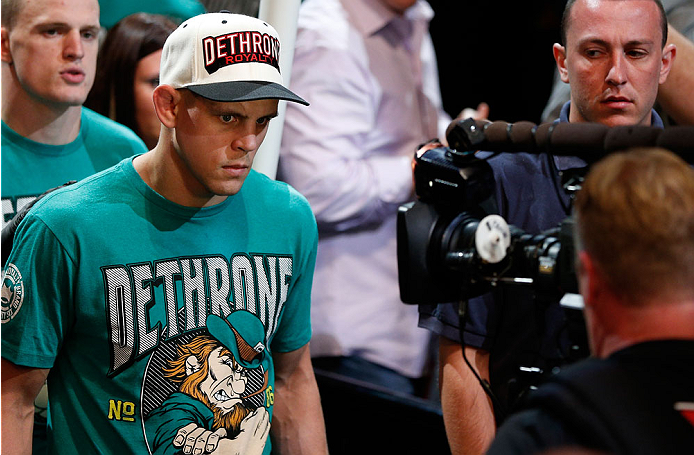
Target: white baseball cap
225	57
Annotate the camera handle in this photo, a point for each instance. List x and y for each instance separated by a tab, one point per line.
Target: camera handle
499	409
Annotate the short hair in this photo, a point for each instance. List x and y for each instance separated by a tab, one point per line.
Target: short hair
567	13
10	11
635	219
130	40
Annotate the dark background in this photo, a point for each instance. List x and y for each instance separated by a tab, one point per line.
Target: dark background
497	52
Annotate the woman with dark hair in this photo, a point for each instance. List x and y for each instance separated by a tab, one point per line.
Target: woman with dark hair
128	71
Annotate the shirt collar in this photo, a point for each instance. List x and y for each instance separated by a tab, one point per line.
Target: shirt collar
564	116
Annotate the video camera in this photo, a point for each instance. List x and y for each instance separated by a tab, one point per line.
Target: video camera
451	244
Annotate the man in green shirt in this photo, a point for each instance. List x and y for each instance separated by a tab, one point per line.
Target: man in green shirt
114	279
49	52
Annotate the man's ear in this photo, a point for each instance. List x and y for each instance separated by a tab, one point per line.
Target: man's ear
192	365
559	52
669	53
5	43
592	283
166	103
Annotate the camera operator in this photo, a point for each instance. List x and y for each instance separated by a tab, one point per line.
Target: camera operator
614	56
635	264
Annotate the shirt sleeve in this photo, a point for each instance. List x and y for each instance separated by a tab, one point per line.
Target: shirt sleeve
37	287
326	147
480	321
294	328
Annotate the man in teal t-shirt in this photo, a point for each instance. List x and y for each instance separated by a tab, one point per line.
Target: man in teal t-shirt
29	168
169	295
49	52
48	67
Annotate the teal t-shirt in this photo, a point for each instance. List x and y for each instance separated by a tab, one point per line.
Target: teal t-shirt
178	10
111	286
29	168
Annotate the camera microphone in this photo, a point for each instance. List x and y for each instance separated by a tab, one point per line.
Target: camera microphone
573	139
678	139
466	134
589	141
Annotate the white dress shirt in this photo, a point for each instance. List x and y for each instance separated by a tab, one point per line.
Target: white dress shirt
371	78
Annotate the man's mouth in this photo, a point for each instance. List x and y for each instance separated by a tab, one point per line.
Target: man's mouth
221	395
617	102
235	170
73	75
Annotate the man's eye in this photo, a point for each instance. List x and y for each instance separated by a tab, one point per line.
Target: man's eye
154	82
636	54
226	118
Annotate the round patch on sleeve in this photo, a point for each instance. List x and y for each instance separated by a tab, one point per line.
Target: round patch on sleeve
12	292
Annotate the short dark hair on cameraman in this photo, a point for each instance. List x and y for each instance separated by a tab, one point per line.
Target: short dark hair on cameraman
635	218
567	12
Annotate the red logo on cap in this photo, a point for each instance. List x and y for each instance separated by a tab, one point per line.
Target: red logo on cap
240	47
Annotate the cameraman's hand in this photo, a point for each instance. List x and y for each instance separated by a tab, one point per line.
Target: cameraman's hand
481	113
432	144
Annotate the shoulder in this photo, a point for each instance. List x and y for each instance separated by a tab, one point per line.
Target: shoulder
318	15
531	431
517	166
275	195
178	10
103	131
553	415
322	23
67	207
98	123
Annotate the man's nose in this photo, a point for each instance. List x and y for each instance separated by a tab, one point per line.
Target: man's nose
247	141
73	48
237	383
617	71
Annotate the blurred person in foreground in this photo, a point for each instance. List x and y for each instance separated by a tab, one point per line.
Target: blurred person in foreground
634	239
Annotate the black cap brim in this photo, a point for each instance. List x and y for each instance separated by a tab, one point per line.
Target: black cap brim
234	91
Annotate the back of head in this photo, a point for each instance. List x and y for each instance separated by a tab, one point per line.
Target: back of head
635	218
131	39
